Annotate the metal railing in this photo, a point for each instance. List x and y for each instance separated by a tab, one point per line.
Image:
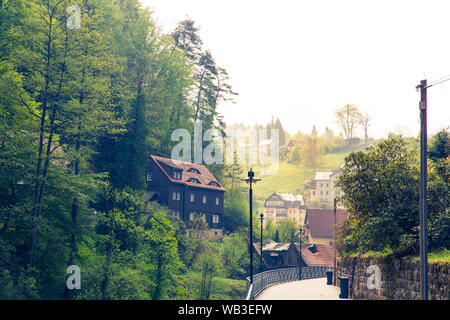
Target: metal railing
268	278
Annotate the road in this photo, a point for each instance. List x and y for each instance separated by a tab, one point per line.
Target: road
313	289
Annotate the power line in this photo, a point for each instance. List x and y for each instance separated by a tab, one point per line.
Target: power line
438	81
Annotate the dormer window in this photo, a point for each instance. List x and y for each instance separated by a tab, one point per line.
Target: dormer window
213	183
176	175
193	170
193	180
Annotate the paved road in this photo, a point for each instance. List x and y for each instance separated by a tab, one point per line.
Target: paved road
313	289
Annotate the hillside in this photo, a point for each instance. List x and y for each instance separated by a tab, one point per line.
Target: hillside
291	178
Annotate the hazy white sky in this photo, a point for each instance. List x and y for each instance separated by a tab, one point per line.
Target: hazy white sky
301	60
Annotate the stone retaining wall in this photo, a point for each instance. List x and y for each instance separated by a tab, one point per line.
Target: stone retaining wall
400	278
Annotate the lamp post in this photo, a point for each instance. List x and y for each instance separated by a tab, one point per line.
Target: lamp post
334	242
251	180
300	250
261	216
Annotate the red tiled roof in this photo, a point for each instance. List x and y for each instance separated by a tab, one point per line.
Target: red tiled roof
322	257
205	177
320	221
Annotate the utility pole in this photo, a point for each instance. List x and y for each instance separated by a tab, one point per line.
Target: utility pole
423	191
334	242
261	262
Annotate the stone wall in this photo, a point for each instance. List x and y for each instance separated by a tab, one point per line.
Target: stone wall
400	278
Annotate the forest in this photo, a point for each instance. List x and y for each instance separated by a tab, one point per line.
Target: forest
84	101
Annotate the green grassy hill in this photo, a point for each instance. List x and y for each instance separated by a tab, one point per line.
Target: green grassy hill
291	178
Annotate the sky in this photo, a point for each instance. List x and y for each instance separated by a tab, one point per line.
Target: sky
302	60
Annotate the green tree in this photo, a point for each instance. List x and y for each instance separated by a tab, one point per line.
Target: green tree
234	254
380	190
287	230
209	266
439	147
235	212
311	152
295	156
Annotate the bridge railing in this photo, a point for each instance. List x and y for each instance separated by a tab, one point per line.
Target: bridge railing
268	278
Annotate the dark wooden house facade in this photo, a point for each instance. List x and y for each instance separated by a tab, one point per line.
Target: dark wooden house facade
187	189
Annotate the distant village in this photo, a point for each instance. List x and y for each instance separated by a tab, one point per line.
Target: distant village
317	224
190	191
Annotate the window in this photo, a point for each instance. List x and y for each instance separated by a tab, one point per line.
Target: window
175	213
213	183
149	177
217	201
193	180
215	218
204	199
321	192
176	174
178	196
314	193
174	196
191	216
192	197
193	170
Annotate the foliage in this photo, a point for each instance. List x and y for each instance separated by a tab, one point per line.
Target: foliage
439	147
80	112
235	255
287	231
235	213
381	192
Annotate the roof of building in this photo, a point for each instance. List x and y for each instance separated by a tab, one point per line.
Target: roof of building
323	175
312	255
289	200
317	254
274	246
204	179
319	222
290	197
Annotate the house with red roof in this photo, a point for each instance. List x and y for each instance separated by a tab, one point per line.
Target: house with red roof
279	255
319	225
188	190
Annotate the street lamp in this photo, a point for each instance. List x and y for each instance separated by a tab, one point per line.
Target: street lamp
334	242
251	180
261	216
300	250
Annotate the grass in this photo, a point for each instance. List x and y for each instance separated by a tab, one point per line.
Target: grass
439	255
435	255
221	288
291	178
